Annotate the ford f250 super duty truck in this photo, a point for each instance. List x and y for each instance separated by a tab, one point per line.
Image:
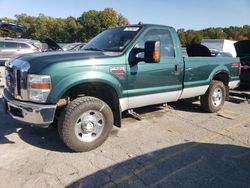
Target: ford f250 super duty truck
120	69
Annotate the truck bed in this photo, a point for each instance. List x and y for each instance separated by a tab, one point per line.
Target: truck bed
200	70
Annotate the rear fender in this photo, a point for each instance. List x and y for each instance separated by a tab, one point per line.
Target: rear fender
218	70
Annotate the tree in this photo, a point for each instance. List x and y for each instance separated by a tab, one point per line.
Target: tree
121	20
72	29
182	38
193	37
108	18
90	25
92	22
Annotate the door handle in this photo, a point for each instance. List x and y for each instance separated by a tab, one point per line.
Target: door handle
188	69
178	68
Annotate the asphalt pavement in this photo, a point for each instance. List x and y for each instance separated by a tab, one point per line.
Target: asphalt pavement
175	146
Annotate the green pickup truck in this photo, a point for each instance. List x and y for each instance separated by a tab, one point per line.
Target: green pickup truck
120	69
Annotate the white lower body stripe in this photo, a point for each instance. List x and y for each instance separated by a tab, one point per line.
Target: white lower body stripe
158	98
146	100
193	92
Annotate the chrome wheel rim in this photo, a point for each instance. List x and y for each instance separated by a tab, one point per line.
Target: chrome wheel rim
89	126
217	97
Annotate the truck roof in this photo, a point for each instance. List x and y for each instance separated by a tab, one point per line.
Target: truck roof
148	25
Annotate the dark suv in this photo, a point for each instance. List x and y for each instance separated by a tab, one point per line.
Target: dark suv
243	51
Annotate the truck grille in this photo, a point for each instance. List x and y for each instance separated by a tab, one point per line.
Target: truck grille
10	80
16	80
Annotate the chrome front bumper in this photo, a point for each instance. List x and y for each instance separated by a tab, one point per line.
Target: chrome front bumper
36	114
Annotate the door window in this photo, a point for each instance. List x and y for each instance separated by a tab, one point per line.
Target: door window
164	36
12	45
24	46
1	45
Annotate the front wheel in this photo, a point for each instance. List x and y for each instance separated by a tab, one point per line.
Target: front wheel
214	98
85	124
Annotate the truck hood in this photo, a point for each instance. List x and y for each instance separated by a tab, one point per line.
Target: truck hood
242	48
52	44
39	61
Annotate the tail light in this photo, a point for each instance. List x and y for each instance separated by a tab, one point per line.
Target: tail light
237	65
36	49
239	71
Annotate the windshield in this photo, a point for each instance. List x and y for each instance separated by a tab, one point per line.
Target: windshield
114	40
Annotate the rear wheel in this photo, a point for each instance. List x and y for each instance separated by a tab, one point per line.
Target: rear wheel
85	124
214	98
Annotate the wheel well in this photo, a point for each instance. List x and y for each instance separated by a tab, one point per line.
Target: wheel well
224	78
101	91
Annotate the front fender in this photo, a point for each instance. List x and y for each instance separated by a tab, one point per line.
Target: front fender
80	78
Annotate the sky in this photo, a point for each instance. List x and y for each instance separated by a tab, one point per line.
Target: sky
188	14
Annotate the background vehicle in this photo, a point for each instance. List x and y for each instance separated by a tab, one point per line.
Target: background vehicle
52	45
11	28
217	53
9	48
220	45
73	46
120	69
243	51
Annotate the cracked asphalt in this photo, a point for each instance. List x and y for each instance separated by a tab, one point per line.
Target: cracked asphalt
176	146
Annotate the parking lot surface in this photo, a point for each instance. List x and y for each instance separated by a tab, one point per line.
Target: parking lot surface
174	146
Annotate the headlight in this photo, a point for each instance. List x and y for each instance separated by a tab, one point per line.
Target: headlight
39	87
7	62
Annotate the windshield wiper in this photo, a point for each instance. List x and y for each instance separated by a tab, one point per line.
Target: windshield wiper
94	49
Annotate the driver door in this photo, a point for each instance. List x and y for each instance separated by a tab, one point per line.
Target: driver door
155	83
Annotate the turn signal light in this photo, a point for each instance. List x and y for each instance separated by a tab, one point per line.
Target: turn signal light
156	55
40	86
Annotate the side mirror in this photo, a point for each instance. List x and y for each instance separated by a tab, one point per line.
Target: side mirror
152	52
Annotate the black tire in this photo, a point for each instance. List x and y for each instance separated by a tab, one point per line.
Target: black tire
72	114
208	103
